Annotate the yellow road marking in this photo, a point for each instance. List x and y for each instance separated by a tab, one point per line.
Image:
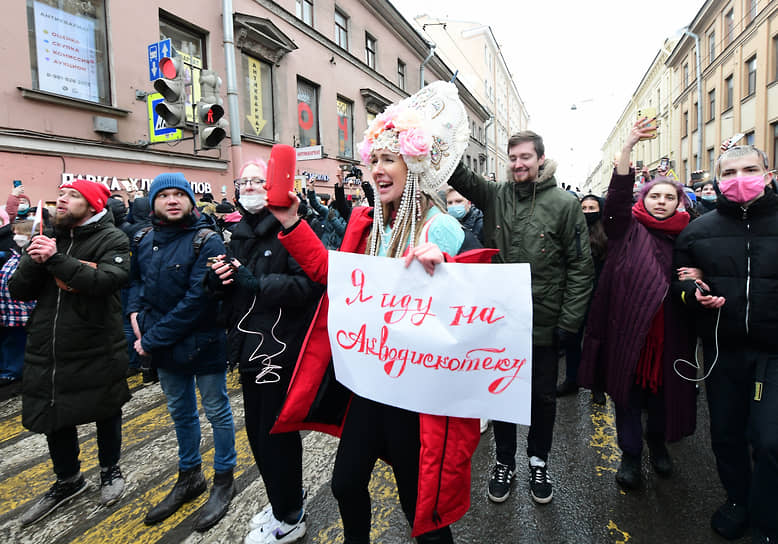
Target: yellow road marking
618	534
383	490
12	427
603	438
33	482
125	525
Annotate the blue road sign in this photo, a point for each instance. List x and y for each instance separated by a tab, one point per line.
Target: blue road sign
158	129
158	51
153	61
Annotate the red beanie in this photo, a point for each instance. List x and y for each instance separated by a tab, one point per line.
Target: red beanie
95	193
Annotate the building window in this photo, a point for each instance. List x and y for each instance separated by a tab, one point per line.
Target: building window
711	159
189	45
751	81
341	29
345	128
685	75
695	117
729	27
711	46
729	86
711	105
685	172
775	57
257	98
308	112
752	10
401	81
370	50
304	9
685	124
750	138
775	144
68	49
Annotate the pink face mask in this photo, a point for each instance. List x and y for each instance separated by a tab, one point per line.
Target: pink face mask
743	188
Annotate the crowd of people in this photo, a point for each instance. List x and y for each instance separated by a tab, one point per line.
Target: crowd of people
184	289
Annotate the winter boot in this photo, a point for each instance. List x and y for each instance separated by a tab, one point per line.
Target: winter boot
222	492
191	483
628	475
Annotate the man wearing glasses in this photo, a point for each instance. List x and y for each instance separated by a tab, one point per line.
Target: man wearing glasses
270	303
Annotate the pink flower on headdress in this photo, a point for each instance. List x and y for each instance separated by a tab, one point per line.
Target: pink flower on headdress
414	142
363	148
407	119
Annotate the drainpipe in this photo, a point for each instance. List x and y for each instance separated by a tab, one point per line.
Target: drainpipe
421	68
699	96
232	88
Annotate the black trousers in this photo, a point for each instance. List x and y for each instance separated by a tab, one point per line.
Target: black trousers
64	450
374	430
279	457
738	421
545	370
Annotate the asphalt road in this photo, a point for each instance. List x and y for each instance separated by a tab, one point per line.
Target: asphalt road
588	506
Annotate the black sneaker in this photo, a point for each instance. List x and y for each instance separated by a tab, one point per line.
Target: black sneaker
500	484
730	520
61	492
149	376
540	484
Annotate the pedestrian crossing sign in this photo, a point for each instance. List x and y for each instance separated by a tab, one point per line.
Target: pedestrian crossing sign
158	129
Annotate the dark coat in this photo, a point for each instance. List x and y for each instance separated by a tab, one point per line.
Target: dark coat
140	213
474	222
281	303
76	356
635	282
176	315
333	224
737	251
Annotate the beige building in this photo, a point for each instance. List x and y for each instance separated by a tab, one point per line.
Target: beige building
738	42
472	50
310	73
655	92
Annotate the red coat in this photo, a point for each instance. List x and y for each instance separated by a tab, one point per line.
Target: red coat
316	402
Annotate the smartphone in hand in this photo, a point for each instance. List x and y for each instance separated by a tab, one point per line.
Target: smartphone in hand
650	114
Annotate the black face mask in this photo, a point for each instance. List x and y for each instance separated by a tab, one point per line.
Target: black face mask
592	217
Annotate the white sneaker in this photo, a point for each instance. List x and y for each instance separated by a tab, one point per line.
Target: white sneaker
265	515
278	532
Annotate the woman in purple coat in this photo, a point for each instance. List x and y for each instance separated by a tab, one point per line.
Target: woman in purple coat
635	330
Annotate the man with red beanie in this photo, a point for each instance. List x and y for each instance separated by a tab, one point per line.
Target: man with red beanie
76	354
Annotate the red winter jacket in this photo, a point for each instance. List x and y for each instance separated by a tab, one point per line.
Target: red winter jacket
316	402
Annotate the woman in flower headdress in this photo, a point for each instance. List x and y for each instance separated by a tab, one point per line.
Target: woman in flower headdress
412	148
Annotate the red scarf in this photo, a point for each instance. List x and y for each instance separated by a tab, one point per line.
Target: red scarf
649	369
672	225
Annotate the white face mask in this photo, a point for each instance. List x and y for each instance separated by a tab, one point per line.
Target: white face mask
253	203
21	240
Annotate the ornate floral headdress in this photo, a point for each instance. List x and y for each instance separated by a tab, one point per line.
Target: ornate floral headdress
430	130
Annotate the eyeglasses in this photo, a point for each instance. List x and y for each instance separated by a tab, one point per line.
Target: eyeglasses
244	182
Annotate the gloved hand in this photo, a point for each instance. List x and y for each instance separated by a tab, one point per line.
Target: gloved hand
565	338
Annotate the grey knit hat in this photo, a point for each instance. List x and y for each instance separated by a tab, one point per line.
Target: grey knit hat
170	181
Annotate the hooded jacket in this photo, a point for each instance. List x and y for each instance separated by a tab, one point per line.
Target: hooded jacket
316	401
76	356
140	213
175	313
546	228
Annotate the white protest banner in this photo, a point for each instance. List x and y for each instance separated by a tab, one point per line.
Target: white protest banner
458	343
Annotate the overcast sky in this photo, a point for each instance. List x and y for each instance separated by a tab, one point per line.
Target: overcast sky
560	53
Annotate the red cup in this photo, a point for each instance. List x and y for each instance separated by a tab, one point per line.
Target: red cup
280	175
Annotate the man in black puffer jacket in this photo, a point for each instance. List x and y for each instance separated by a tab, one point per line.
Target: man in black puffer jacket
735	250
270	303
76	354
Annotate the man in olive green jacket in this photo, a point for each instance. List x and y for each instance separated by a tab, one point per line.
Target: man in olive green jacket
531	220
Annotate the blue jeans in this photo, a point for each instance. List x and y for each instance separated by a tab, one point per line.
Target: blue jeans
182	405
12	340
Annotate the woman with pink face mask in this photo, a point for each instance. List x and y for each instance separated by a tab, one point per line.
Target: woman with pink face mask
636	330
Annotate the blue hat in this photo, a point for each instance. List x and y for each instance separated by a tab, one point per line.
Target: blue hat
170	181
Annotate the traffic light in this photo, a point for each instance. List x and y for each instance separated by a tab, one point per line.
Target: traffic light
213	129
172	88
